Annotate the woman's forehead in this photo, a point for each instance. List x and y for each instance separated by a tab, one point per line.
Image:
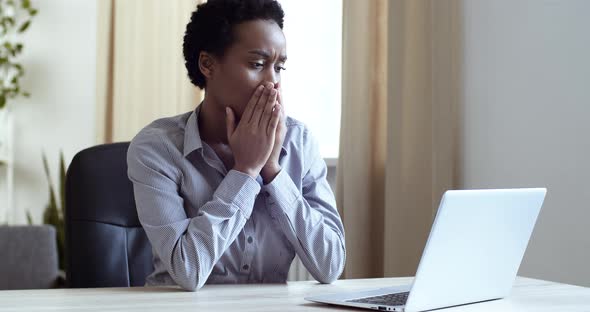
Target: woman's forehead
260	35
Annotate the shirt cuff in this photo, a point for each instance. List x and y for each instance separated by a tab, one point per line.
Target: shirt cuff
282	192
240	190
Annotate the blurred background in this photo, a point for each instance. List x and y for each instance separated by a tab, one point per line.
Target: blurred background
408	98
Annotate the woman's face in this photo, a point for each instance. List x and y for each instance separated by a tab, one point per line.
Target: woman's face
257	56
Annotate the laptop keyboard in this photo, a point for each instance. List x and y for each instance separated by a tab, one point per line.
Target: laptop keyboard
396	299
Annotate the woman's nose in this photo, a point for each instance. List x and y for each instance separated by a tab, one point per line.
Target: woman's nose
273	77
276	83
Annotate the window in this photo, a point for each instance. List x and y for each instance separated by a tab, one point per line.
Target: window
312	82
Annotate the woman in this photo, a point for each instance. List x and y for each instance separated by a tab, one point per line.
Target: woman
230	192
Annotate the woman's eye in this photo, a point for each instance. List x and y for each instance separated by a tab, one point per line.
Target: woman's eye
258	65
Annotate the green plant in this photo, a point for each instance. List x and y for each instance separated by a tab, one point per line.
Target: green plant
15	18
54	213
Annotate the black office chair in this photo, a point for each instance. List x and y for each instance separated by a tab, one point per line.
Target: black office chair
105	243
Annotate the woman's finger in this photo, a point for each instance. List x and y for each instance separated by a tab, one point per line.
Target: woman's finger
268	107
259	108
280	96
247	116
230	122
274	121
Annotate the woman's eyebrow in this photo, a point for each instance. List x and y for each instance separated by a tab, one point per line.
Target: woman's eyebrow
266	55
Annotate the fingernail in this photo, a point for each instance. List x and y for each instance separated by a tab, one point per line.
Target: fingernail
226	111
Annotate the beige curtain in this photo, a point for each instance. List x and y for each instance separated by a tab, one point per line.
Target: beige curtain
140	68
398	141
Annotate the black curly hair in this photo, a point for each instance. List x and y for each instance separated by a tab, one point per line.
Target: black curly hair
211	29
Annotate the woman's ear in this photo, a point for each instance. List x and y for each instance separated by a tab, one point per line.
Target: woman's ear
206	64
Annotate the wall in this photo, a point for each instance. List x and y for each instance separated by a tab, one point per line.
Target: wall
525	120
60	62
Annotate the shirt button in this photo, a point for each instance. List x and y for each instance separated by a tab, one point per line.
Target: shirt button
250	240
246	267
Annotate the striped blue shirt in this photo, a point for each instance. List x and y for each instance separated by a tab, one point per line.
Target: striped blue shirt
210	225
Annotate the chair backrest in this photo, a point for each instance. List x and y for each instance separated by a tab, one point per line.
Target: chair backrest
29	257
105	243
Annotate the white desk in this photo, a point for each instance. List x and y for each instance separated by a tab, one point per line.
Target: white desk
527	295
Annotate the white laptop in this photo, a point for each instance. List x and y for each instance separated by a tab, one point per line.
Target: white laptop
473	253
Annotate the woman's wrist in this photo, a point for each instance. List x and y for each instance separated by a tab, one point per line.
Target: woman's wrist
250	172
269	172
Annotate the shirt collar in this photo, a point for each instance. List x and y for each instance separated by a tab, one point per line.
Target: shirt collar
192	136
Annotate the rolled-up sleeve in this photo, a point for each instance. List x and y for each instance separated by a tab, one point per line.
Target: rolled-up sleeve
309	218
188	247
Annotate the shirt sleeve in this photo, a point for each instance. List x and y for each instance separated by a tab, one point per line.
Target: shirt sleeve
309	219
188	247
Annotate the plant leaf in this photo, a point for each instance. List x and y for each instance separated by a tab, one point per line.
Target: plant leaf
46	167
60	227
29	218
62	182
24	26
53	214
50	214
51	210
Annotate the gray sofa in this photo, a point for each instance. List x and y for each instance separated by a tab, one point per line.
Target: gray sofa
28	257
